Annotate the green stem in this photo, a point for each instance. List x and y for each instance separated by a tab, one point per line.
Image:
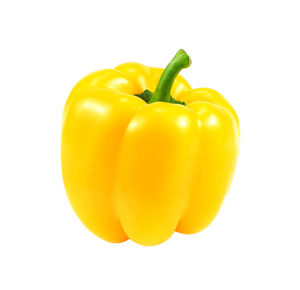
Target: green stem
162	92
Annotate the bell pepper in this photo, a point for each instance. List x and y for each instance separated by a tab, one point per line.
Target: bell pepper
144	155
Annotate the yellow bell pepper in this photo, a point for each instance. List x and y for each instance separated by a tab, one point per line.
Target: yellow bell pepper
142	165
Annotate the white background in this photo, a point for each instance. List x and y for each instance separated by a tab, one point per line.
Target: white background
247	50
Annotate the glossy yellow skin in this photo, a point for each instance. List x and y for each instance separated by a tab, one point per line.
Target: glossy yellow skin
142	171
